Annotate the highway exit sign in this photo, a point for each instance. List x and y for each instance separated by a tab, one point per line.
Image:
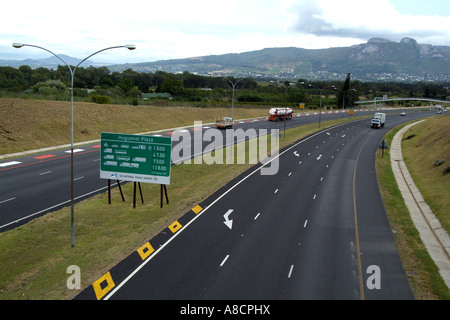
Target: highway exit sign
135	158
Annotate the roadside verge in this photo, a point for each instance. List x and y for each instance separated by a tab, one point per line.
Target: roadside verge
434	237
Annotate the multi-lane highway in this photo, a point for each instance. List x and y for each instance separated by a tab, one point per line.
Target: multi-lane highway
35	185
315	230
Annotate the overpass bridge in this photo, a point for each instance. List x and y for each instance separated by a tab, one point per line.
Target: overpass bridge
381	99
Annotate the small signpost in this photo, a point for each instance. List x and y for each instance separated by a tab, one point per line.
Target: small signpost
136	158
383	145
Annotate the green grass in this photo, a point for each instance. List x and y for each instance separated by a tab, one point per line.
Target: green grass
422	273
34	124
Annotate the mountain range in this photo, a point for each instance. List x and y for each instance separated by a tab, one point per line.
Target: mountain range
49	63
377	60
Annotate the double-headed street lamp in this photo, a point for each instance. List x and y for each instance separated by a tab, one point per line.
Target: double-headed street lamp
72	73
232	98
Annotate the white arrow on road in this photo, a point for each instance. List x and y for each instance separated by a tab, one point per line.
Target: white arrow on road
228	223
319	157
296	153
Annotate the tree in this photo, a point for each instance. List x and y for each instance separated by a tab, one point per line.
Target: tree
126	84
343	92
172	86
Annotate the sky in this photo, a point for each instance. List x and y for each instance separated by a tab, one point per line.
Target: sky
174	29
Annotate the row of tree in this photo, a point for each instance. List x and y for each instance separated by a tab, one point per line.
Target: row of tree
191	87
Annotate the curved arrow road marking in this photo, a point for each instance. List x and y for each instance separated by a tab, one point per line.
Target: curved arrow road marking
228	223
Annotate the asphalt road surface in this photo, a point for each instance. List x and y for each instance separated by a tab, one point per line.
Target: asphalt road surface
34	185
316	229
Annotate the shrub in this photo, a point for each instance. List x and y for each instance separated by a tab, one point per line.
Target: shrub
101	99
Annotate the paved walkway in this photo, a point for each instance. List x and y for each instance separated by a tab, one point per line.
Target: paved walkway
434	237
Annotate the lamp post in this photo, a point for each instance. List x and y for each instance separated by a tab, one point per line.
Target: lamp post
286	88
72	73
232	98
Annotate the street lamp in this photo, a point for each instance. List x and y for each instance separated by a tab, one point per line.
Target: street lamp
232	98
72	73
286	88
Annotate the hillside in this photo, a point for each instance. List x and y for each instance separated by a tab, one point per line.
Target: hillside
378	59
27	124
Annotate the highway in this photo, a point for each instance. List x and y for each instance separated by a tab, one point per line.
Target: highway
315	230
34	185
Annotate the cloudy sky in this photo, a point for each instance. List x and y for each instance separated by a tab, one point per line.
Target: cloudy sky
187	28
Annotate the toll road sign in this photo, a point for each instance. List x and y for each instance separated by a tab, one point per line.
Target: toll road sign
135	158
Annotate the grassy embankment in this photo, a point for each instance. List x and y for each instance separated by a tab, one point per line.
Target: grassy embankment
33	124
422	145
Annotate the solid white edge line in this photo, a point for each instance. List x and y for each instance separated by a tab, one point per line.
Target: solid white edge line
52	207
10	199
115	289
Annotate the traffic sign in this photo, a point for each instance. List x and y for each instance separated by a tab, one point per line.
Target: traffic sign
135	158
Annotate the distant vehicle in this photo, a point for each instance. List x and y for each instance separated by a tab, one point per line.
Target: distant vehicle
224	123
403	113
276	114
378	120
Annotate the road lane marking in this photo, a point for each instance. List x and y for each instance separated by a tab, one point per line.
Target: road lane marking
10	163
97	285
10	199
74	150
145	250
79	178
197	209
228	222
314	198
46	172
174	227
55	206
276	191
45	156
290	270
256	217
306	222
224	260
358	251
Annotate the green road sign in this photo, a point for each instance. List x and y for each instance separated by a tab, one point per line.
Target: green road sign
137	158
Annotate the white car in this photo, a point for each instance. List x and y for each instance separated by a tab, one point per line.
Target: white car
403	113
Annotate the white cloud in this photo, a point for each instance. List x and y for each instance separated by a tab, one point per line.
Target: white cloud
179	28
365	19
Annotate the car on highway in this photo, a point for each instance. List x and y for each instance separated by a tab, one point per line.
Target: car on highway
403	113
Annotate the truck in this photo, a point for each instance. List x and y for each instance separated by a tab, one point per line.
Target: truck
378	120
276	114
224	123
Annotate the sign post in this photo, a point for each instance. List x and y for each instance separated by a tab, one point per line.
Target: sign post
135	158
